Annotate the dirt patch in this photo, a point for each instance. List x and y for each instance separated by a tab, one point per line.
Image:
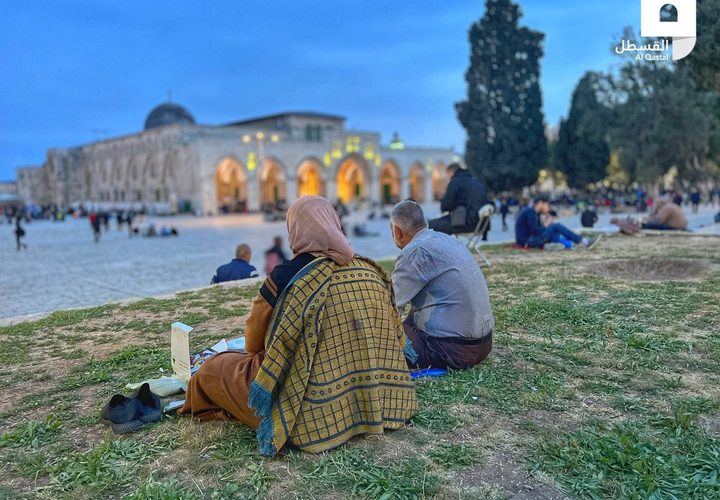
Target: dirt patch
513	480
654	269
711	425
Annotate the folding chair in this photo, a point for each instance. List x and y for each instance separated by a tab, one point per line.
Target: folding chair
475	238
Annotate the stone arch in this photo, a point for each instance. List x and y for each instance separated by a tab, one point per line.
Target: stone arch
310	177
90	181
154	189
389	182
417	181
134	181
231	181
353	178
439	180
272	179
167	181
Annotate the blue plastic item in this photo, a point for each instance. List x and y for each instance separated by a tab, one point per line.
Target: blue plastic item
428	372
566	243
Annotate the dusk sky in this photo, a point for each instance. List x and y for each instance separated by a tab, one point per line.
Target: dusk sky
76	71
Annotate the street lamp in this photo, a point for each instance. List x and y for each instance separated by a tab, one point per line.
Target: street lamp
260	139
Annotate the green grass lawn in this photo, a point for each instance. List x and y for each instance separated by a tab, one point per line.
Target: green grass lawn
600	385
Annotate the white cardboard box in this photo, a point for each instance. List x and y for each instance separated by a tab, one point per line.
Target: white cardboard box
180	350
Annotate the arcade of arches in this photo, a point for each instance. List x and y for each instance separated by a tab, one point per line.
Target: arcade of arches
231	186
310	179
352	180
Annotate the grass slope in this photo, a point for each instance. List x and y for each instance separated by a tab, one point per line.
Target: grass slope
597	387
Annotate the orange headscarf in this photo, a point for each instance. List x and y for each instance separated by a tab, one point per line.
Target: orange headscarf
314	227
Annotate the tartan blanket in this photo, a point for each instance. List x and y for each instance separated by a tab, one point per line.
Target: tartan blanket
334	364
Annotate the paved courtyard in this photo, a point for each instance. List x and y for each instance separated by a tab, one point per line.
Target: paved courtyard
63	268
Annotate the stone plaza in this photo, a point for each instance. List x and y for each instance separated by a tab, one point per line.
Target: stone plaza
63	268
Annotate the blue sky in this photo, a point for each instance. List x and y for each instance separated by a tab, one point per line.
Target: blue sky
74	70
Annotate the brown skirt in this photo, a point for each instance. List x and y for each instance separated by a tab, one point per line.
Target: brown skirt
219	390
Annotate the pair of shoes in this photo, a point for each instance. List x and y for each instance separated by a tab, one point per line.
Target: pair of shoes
128	414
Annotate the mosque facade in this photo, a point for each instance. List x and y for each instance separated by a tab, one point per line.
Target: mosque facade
175	165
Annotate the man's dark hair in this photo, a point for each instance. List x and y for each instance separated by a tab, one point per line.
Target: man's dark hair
541	198
454	167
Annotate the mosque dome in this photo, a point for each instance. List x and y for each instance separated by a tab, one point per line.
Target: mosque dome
168	114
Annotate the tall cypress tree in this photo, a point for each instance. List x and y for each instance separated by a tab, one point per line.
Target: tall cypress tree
502	115
582	151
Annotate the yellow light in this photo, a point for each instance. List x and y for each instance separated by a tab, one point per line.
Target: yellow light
327	160
275	138
369	152
260	136
251	160
246	139
337	150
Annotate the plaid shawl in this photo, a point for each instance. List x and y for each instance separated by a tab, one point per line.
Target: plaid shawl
334	365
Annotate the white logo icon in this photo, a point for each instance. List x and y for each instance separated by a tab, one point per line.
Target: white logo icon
683	31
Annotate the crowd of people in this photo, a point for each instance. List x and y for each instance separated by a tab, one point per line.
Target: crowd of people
137	223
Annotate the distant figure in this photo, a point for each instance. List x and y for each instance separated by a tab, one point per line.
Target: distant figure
530	233
504	210
275	255
342	211
119	218
19	235
677	198
150	231
589	217
129	220
463	198
166	231
666	216
361	230
237	269
695	200
95	224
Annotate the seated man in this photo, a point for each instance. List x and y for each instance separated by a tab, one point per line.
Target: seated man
589	217
666	216
530	233
463	198
451	322
238	268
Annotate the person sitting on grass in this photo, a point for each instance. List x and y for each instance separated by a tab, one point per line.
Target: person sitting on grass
451	321
530	233
238	268
666	216
324	345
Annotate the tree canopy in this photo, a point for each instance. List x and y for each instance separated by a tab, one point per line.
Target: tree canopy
582	152
506	145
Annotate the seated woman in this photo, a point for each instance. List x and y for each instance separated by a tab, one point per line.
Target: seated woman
324	346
